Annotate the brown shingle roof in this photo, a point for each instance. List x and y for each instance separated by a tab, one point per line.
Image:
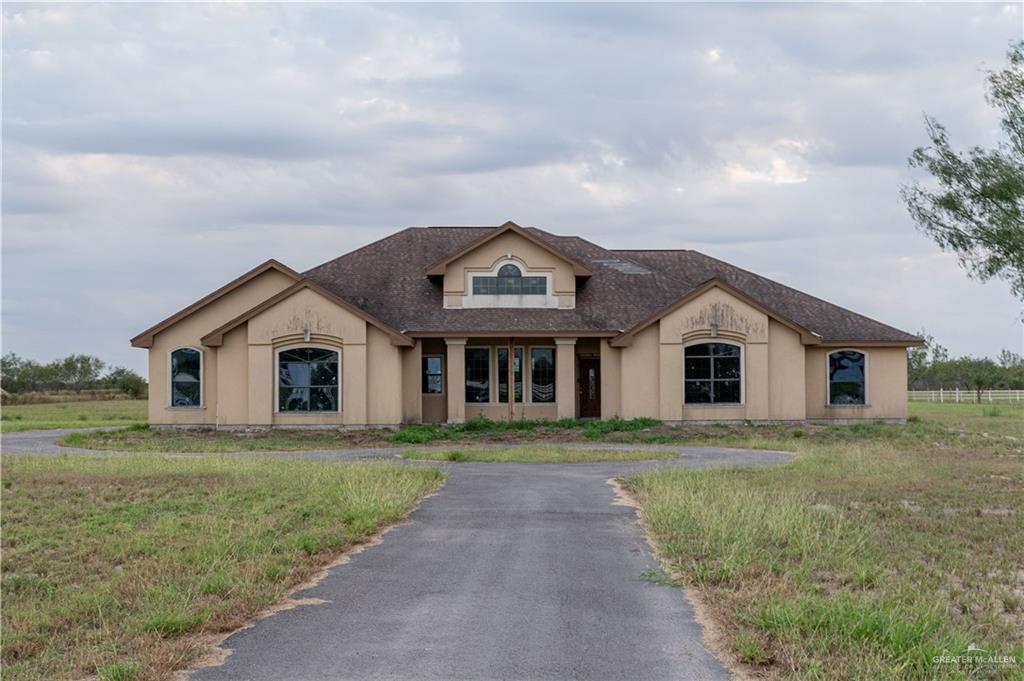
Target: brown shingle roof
387	279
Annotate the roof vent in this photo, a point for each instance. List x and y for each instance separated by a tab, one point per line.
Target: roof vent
624	266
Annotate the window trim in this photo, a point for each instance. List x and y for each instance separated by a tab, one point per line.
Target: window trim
743	374
492	361
547	300
276	369
202	379
525	350
554	361
444	381
828	380
495	274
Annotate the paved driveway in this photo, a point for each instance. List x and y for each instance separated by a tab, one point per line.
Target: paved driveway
511	571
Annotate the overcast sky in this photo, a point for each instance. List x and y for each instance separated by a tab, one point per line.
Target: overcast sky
151	153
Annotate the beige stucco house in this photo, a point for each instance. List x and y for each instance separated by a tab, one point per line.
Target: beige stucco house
419	327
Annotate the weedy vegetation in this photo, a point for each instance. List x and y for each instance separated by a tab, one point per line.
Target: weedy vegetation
875	552
113	567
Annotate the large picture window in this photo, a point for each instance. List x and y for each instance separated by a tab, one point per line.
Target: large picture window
510	281
712	374
542	375
478	375
846	377
307	380
186	378
517	371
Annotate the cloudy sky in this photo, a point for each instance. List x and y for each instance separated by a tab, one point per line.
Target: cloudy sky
153	152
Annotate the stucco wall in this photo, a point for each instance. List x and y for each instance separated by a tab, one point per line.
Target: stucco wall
734	321
782	378
641	379
787	386
187	332
381	383
611	380
529	254
233	378
886	385
384	378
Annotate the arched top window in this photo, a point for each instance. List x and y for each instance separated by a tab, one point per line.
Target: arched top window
509	282
712	374
307	380
847	377
186	378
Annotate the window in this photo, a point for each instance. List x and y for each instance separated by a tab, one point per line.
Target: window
510	281
517	370
542	374
478	375
186	378
307	380
846	377
712	374
433	375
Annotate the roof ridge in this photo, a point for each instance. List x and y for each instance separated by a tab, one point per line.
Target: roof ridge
652	250
803	293
361	248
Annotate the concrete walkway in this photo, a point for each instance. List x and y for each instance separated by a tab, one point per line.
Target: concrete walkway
511	571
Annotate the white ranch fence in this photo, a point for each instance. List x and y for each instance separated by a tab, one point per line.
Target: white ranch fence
966	395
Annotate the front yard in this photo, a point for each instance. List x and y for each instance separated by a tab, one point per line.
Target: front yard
117	566
879	552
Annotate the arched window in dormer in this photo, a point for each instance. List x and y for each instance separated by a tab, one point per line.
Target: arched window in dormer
510	282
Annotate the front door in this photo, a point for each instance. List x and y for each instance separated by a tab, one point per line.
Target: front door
589	387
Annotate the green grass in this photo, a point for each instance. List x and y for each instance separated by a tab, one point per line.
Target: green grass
22	417
877	549
995	419
536	455
113	566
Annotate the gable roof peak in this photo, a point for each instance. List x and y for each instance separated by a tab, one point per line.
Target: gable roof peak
437	269
145	339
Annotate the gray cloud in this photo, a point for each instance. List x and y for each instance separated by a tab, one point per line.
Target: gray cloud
152	152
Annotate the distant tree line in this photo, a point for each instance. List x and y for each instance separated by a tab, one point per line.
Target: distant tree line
74	373
930	368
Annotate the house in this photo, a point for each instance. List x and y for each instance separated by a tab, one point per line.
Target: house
421	325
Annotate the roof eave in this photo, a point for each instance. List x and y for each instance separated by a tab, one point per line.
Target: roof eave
215	338
625	339
145	339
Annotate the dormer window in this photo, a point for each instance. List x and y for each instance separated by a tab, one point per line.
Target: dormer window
510	282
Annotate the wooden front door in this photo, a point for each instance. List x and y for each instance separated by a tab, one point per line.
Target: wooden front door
589	387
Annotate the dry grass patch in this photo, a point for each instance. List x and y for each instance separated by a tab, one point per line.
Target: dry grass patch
117	566
143	439
876	551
